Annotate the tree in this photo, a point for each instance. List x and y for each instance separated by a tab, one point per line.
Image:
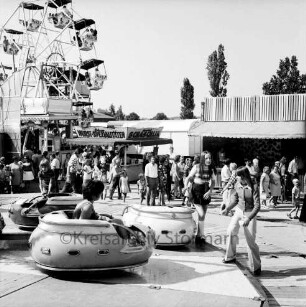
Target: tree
187	100
160	116
103	111
132	116
119	114
217	73
112	110
287	79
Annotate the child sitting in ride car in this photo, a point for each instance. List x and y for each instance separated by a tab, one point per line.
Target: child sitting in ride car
85	209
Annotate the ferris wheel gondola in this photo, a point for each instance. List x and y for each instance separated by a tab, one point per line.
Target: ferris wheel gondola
29	22
94	80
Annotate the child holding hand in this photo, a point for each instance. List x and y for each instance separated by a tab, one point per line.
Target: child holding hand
141	185
296	192
124	184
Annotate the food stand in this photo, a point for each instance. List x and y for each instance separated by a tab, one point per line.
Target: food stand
121	137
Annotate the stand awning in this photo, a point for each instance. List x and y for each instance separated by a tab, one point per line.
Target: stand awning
104	141
48	117
253	130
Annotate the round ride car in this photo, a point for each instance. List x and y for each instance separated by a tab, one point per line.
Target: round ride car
61	243
172	225
25	212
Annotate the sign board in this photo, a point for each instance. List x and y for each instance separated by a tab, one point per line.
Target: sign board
143	133
118	134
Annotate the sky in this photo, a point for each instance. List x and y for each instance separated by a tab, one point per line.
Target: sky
150	46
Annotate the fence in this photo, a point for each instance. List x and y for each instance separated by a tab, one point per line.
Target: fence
255	108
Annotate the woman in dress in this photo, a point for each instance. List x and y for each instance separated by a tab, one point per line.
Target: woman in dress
124	184
28	173
246	200
264	186
275	184
204	182
16	175
162	180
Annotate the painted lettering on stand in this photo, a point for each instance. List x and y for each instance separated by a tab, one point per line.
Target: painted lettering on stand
101	133
144	133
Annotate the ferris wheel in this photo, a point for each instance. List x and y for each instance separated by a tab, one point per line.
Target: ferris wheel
55	50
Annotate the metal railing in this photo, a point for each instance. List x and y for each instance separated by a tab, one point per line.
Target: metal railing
255	108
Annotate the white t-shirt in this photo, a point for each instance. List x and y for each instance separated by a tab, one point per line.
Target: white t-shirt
87	175
151	170
225	173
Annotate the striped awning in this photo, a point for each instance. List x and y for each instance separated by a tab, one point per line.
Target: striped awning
254	130
48	117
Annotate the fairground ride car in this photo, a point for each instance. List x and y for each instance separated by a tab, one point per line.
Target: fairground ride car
25	212
172	225
60	243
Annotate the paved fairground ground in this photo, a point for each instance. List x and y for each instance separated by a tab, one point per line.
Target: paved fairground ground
188	276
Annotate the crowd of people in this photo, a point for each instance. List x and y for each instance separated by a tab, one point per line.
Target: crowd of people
245	188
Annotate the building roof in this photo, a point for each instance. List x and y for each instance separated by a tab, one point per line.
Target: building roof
255	130
101	117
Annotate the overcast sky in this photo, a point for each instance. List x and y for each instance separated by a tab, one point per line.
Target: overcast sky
150	46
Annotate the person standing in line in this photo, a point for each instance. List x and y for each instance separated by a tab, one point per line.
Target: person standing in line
65	165
181	167
296	193
264	187
124	184
167	170
225	176
283	173
151	174
87	172
162	180
176	191
55	166
275	185
141	186
246	200
172	155
72	168
204	182
114	179
293	168
230	186
16	175
28	173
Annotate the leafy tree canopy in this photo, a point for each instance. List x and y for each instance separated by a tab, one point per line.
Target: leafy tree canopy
160	116
112	110
132	116
119	114
187	100
287	79
217	73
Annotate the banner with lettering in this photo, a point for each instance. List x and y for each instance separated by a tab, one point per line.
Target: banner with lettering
118	134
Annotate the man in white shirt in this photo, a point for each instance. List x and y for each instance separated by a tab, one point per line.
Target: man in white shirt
172	155
225	176
151	174
225	173
293	168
